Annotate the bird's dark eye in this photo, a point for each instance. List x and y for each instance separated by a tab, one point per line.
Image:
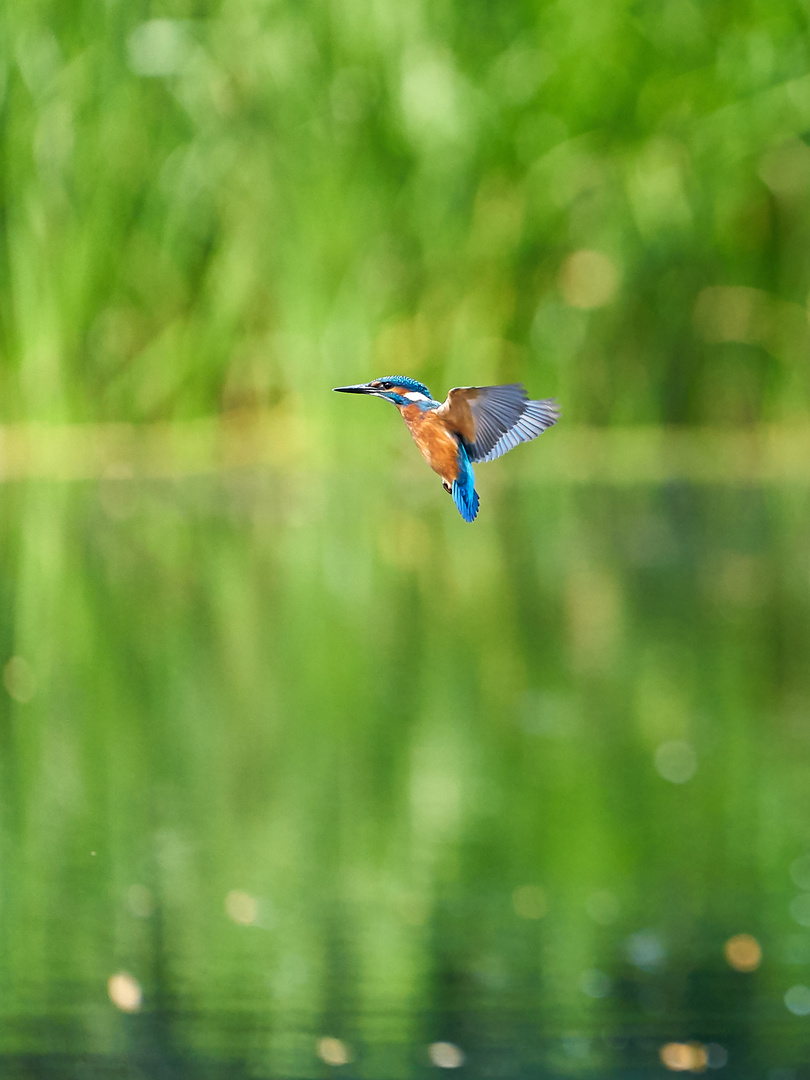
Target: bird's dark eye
386	385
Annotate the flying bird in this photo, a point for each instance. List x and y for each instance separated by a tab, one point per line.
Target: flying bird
475	423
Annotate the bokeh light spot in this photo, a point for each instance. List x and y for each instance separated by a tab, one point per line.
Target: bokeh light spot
800	909
19	681
800	871
656	186
125	992
716	1056
140	901
595	983
529	902
158	47
333	1051
645	949
588	279
797	1000
445	1055
676	761
684	1057
518	72
432	98
730	313
743	952
242	907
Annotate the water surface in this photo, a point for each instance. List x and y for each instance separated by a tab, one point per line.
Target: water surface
302	758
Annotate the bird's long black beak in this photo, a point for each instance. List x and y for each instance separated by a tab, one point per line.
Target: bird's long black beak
358	388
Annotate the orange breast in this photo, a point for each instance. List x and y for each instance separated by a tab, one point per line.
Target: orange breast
436	444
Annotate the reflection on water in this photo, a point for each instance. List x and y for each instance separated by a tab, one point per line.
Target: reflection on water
299	779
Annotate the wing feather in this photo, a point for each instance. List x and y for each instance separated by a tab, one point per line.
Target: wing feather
494	419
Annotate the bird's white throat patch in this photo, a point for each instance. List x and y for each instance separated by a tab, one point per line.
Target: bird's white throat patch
416	395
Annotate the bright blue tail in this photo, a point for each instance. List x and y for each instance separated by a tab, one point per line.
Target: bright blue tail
464	494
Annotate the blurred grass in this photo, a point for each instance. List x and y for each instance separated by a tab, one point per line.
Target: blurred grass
238	205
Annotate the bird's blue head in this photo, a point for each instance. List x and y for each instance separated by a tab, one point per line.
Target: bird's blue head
398	389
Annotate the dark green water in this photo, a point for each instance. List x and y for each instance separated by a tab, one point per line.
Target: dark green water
308	758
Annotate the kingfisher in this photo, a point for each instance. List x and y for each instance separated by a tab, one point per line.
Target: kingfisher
475	423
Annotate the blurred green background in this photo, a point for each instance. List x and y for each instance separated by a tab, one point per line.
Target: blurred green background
299	774
211	207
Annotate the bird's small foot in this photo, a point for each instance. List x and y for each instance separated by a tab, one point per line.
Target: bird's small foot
447	487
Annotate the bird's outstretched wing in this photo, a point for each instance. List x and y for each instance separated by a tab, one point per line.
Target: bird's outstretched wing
493	419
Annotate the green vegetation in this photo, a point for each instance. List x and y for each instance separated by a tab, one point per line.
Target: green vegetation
281	739
213	207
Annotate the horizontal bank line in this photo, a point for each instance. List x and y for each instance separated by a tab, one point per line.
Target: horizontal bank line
761	454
